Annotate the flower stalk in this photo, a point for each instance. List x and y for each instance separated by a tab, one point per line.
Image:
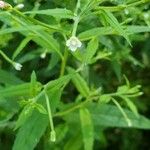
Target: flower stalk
16	65
52	133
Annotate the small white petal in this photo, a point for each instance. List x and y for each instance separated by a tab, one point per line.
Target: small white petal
73	48
73	43
79	44
17	66
68	42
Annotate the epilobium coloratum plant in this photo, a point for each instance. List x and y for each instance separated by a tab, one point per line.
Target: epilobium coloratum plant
85	60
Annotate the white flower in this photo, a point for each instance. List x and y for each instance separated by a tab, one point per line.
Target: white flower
20	6
2	4
73	43
17	66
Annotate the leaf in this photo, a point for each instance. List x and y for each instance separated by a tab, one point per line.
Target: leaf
47	41
61	130
41	37
19	29
91	50
40	108
104	98
117	68
115	24
122	89
31	131
9	105
79	82
101	55
94	32
128	121
5	123
109	116
53	61
18	90
74	142
131	105
111	8
134	29
23	116
33	128
15	91
34	85
57	12
58	83
9	78
87	128
21	46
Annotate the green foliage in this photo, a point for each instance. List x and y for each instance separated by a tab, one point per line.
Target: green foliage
71	60
87	128
113	118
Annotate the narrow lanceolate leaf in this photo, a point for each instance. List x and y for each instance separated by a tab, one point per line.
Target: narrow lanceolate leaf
58	12
91	50
21	46
79	82
58	83
9	78
134	29
131	105
33	86
16	91
74	142
110	18
94	32
26	113
29	134
19	29
87	128
114	117
48	40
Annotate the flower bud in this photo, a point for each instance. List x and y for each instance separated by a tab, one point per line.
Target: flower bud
17	66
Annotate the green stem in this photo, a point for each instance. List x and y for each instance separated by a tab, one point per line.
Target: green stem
35	8
65	112
6	57
76	19
53	135
64	61
77	7
123	112
76	22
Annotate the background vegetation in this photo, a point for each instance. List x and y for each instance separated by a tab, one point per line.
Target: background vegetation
94	98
